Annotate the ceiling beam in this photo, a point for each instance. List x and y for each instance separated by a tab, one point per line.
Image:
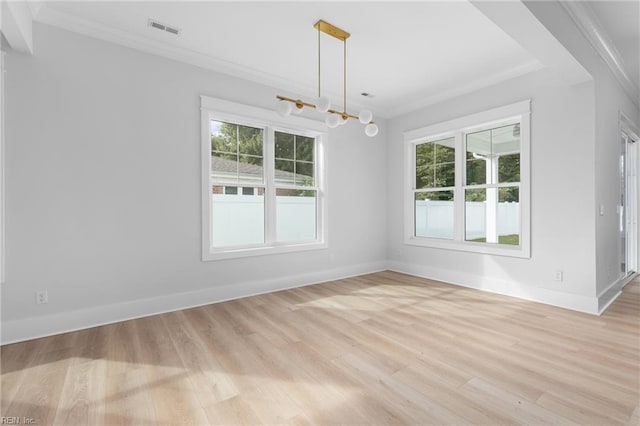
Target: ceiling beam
515	19
16	23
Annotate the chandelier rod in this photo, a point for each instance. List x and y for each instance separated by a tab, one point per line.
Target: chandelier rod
344	77
318	61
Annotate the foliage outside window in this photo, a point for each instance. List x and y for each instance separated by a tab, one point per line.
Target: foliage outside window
466	185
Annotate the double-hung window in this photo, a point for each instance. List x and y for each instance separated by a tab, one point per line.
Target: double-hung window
262	183
467	183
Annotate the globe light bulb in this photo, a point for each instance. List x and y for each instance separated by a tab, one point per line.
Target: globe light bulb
323	104
284	108
365	116
371	130
332	121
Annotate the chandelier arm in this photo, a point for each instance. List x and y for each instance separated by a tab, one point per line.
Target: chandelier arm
295	101
300	103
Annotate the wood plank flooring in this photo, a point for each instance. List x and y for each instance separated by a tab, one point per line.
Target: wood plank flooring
383	348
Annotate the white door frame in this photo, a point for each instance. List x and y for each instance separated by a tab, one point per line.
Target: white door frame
629	246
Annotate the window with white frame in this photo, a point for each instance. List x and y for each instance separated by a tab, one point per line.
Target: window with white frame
467	183
263	180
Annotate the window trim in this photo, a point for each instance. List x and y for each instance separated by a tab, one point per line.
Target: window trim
223	110
456	128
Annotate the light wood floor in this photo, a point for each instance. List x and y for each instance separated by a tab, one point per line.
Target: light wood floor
383	348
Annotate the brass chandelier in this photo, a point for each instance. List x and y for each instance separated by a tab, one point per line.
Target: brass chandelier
334	117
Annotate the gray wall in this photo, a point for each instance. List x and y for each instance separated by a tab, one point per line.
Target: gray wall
103	189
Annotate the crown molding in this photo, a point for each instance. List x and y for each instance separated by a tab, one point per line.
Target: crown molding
588	23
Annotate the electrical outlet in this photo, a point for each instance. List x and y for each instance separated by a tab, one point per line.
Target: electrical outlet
559	276
42	297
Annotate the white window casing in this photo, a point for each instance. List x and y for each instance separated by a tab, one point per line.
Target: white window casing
231	112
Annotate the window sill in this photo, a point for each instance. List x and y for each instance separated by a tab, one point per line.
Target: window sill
521	251
261	251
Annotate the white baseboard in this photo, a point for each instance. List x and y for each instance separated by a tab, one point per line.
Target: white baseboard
574	302
607	296
34	327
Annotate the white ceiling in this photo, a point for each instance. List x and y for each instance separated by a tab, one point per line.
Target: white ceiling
407	54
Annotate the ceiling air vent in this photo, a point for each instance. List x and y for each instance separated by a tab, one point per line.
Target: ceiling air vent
163	27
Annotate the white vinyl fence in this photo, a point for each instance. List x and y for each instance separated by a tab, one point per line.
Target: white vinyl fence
239	219
435	219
